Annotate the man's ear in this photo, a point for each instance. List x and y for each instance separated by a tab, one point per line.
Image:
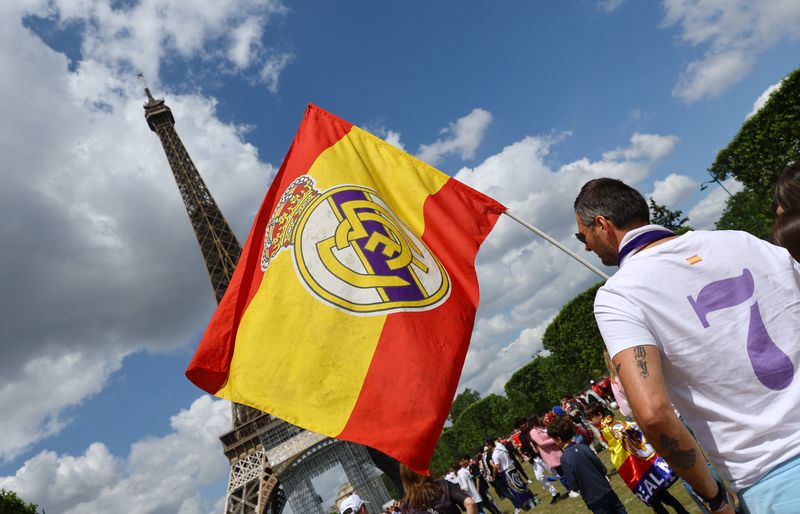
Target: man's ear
605	223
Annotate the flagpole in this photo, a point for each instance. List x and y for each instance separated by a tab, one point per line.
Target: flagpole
556	244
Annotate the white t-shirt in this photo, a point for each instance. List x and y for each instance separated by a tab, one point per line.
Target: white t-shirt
468	484
500	457
700	298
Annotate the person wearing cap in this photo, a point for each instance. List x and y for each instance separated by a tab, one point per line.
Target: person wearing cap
353	504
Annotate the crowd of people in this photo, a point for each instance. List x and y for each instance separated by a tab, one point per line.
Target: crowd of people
560	447
702	335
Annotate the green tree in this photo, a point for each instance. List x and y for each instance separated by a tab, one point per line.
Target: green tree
10	503
745	211
765	144
488	417
527	390
445	452
575	346
673	220
460	403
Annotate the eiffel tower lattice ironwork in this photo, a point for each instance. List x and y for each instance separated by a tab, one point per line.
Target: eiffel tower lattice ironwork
252	488
259	441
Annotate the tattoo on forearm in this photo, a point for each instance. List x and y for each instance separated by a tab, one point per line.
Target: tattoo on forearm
641	360
683	459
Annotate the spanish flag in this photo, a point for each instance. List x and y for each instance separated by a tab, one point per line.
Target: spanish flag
351	309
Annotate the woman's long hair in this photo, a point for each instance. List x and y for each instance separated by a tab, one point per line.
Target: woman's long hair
787	190
786	232
421	492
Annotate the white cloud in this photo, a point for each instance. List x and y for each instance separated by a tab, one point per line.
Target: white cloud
393	138
525	280
58	482
707	211
644	147
271	71
609	6
762	99
159	475
245	42
734	33
462	138
712	75
33	401
378	128
672	190
141	35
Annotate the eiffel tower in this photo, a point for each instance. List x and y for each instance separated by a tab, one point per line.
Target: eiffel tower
260	447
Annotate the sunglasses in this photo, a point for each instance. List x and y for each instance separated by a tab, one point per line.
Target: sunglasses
581	236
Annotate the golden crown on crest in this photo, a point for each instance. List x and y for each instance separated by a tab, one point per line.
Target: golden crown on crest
283	223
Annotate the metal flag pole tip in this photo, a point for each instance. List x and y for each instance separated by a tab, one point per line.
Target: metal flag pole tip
555	243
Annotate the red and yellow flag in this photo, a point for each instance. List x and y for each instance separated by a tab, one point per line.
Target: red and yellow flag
351	308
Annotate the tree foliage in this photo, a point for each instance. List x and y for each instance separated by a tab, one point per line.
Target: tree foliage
488	417
673	220
445	452
575	345
10	503
745	211
527	389
765	144
460	403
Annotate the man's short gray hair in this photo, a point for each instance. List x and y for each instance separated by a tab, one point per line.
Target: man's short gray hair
614	200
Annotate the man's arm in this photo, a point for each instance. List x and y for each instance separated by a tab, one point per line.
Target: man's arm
640	372
470	505
494	469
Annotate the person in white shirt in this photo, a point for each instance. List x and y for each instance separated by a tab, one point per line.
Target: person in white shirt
467	484
451	475
708	321
507	479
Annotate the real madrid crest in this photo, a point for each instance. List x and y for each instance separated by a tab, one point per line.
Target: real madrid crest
352	252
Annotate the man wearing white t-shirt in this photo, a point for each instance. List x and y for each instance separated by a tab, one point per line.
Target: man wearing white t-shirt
709	321
467	484
507	479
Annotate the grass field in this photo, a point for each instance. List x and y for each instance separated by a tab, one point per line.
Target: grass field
575	505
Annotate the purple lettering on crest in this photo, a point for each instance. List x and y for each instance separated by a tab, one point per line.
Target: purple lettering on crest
376	259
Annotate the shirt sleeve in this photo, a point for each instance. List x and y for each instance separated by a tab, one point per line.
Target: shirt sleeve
463	479
621	322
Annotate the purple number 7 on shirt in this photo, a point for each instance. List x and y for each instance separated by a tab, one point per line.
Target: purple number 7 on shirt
772	366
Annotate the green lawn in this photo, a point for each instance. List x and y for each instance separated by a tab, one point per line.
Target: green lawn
576	505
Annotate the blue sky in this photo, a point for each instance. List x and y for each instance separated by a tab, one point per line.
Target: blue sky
106	292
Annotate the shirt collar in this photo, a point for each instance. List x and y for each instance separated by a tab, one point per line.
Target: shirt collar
634	233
